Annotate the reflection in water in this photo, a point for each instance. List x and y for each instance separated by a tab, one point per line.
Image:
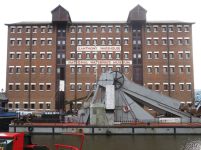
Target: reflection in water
122	142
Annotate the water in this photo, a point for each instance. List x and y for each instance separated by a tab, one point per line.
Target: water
122	142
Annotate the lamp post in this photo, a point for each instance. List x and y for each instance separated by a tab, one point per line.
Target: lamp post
2	90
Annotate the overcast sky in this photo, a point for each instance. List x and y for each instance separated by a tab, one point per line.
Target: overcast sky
104	10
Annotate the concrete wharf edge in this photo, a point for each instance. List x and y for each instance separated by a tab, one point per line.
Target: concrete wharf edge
104	130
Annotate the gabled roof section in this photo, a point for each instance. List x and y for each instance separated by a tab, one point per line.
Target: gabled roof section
138	13
60	15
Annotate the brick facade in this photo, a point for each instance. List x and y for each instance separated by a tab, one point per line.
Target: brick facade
115	31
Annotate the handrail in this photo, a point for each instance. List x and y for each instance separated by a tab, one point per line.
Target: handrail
57	145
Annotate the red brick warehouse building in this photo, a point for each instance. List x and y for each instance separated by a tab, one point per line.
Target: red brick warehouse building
43	55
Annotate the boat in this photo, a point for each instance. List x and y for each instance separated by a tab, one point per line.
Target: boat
22	141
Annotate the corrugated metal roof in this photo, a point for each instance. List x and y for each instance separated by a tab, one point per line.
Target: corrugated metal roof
100	22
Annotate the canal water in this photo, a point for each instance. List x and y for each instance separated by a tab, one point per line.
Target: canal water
122	142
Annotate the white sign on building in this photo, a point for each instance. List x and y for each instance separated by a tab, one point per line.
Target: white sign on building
99	48
99	62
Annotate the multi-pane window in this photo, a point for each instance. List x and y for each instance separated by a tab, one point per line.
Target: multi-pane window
48	69
10	87
148	42
171	55
11	70
117	29
126	42
79	30
94	69
63	42
79	42
180	55
126	69
79	69
34	42
179	41
165	87
49	30
33	56
42	56
94	55
41	87
156	70
139	42
164	55
72	87
79	55
155	41
109	42
103	29
149	69
87	87
72	55
126	55
42	30
18	56
48	87
103	69
87	42
79	87
179	29
148	29
155	29
187	41
88	30
19	42
148	55
33	70
118	68
26	87
10	105
11	42
12	30
180	69
156	55
172	69
49	56
95	29
164	69
26	69
117	42
186	29
72	42
126	29
19	30
17	87
110	68
172	86
72	30
164	41
41	106
188	86
103	55
187	69
170	29
87	70
181	87
28	30
27	42
34	30
26	56
18	70
94	42
171	41
33	87
156	87
134	42
72	69
11	56
88	55
164	29
41	69
118	55
49	42
110	29
103	42
187	55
